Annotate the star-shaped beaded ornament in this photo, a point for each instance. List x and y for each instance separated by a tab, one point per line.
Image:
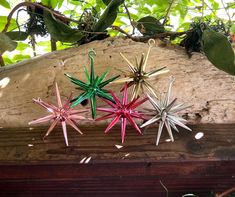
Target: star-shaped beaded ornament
122	110
165	113
93	87
61	114
138	77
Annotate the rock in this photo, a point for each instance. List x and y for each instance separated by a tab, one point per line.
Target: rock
211	92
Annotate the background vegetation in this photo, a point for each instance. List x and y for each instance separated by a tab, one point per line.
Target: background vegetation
47	25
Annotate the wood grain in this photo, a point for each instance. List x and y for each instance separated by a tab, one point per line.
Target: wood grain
31	167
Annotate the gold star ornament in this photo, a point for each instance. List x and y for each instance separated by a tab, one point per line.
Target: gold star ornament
138	76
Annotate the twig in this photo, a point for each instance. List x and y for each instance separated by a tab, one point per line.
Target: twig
1	61
225	193
226	10
93	32
213	11
203	5
17	17
30	4
32	42
164	187
129	16
167	12
116	28
53	45
146	38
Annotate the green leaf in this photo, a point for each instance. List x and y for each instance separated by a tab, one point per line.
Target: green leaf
232	29
149	26
46	45
6	44
45	2
231	4
75	2
3	21
184	26
7	60
59	30
60	3
214	4
22	46
106	2
20	57
61	46
182	10
5	4
17	35
218	50
151	2
53	3
108	17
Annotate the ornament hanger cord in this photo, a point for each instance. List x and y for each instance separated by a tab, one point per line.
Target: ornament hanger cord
92	54
151	43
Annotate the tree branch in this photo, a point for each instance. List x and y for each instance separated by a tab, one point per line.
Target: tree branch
30	4
116	28
227	12
1	61
146	38
203	5
129	16
53	45
167	12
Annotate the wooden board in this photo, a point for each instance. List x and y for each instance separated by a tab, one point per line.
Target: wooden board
94	166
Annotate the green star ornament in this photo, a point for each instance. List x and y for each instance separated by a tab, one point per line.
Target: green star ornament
93	87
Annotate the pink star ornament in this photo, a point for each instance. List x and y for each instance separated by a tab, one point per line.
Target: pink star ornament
122	110
60	114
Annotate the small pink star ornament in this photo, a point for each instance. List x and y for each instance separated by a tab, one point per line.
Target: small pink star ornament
60	114
122	110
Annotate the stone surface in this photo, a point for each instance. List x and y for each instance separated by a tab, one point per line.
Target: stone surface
211	92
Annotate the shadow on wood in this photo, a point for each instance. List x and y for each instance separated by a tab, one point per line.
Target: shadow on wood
94	166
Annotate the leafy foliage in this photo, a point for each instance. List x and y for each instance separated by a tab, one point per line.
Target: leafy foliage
149	25
6	44
5	4
17	35
108	17
218	50
35	25
81	21
59	30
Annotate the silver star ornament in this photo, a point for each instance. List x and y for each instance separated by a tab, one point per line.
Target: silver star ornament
165	114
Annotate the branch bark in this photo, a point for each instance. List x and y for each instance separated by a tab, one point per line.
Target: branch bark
146	38
53	45
167	12
30	4
129	16
1	61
